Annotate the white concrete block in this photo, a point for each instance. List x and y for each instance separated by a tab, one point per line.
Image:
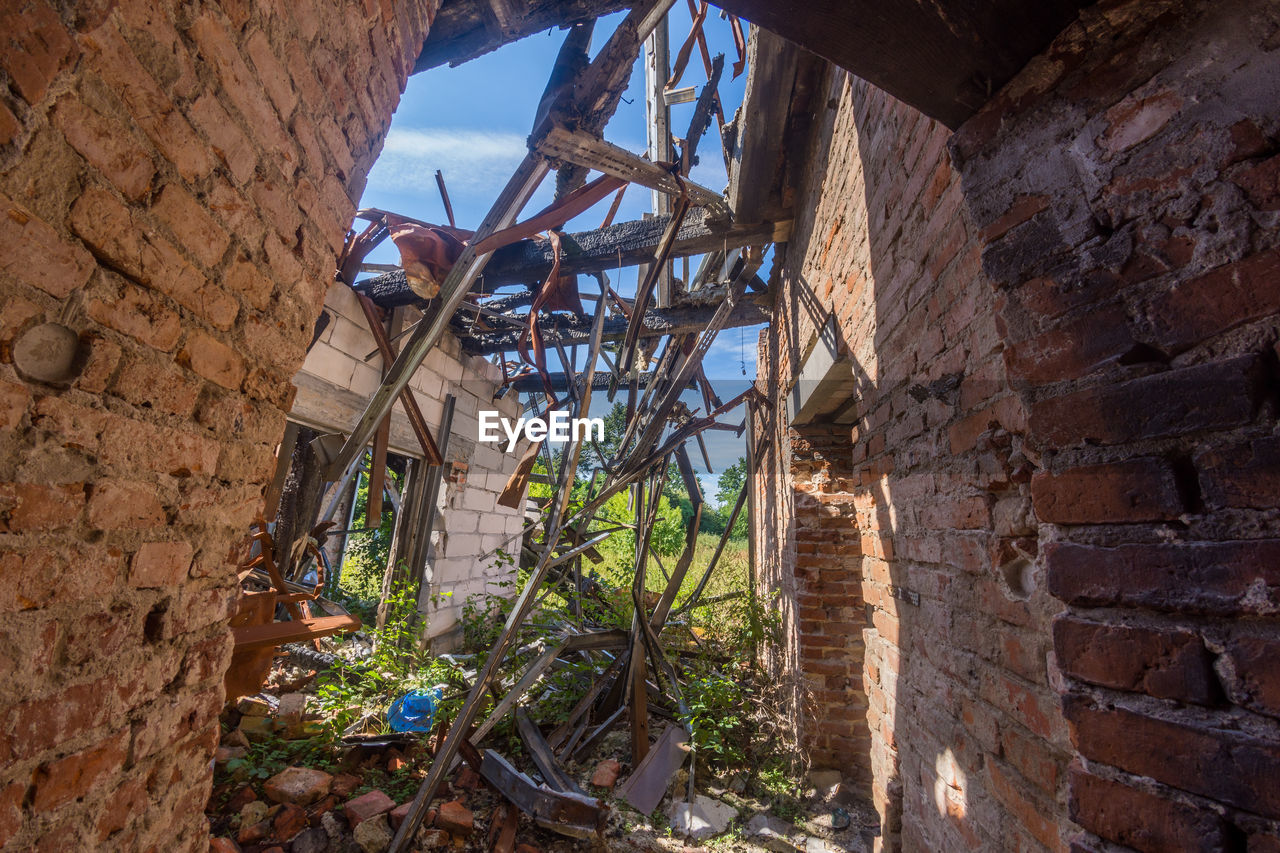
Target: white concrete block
492	457
341	300
479	500
331	365
469	520
365	379
464	545
429	384
465	425
353	339
491	522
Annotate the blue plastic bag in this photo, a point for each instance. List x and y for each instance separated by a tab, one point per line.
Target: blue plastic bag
414	711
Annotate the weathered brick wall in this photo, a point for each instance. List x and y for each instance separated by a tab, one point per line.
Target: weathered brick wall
334	386
175	181
1128	188
943	708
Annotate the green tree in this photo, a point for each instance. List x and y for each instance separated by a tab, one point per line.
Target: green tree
728	487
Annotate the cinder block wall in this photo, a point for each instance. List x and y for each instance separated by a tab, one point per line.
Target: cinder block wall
334	385
1127	187
903	544
175	182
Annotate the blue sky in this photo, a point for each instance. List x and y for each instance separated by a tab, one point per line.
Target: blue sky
472	121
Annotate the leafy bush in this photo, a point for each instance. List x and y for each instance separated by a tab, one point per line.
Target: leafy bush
718	717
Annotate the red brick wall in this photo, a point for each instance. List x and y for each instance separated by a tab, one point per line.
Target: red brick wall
1127	187
943	709
174	184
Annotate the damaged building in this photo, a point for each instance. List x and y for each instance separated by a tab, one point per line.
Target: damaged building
1012	449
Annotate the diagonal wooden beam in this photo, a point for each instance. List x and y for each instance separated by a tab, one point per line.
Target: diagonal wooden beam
595	153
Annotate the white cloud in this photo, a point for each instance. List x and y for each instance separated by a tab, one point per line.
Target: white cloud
473	160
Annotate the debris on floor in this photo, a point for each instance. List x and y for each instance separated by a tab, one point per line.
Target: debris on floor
618	703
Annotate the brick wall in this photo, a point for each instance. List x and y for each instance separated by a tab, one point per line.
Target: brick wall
174	184
902	543
1126	187
334	386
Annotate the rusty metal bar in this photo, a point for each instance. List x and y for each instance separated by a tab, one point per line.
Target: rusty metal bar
410	403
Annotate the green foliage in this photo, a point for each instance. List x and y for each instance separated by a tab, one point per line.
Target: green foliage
727	489
396	666
774	781
367	551
718	717
268	757
667	538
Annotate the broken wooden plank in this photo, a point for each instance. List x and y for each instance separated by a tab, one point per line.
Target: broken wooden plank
502	828
592	740
410	403
644	788
701	116
377	474
284	459
565	812
657	59
461	31
603	156
755	169
543	758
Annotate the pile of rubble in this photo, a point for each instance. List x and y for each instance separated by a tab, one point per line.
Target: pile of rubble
329	799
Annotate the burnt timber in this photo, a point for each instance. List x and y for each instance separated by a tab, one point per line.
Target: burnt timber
625	244
658	322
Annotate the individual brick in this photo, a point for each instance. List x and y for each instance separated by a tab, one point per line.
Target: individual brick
1134	490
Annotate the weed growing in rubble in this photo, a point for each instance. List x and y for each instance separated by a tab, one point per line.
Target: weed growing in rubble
268	757
397	665
718	708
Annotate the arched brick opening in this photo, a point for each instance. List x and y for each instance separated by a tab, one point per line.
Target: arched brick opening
1028	564
175	183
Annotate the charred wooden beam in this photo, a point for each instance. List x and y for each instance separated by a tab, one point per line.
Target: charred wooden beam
753	310
626	244
560	381
464	30
758	158
565	812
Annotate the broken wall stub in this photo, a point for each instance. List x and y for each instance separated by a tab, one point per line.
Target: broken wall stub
335	384
901	538
174	188
1126	188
